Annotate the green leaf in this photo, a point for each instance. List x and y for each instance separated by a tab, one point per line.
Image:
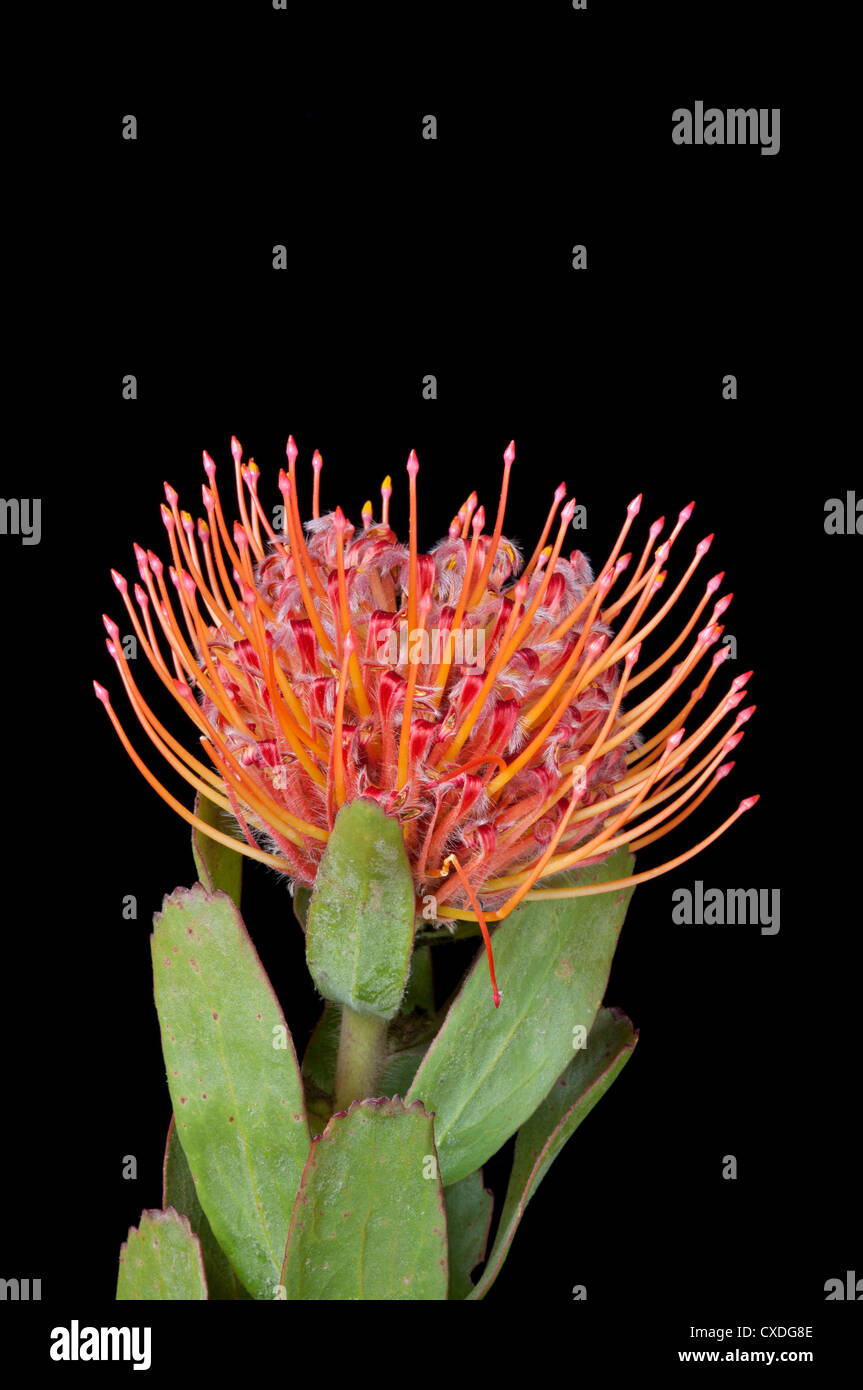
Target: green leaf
302	898
218	867
178	1191
420	991
322	1050
368	1224
360	926
234	1080
609	1046
161	1260
488	1069
468	1217
400	1069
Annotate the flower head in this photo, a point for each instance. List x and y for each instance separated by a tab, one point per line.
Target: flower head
495	707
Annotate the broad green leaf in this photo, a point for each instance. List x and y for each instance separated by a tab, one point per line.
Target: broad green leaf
360	925
610	1044
369	1221
488	1069
161	1260
234	1080
178	1191
218	866
468	1217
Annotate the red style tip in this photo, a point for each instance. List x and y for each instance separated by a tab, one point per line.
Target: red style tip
560	493
731	742
291	449
633	654
720	656
656	528
209	466
209	500
663	553
110	626
413	463
349	644
521	589
284	482
496	996
568	512
739	681
748	802
183	690
236	449
605	581
714	583
101	693
745	714
675	740
634	507
686	513
509	454
721	606
703	546
622	563
120	582
317	461
339	519
478	521
723	771
171	494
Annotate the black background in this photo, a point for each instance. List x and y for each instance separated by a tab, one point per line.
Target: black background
453	257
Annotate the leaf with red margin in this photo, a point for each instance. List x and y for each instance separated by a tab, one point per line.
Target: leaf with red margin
610	1044
161	1260
369	1221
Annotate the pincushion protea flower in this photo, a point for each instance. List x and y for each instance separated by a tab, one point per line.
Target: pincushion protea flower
277	644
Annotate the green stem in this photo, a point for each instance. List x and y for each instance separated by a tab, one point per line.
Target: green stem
361	1056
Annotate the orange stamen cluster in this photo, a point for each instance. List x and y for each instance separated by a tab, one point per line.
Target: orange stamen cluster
324	663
